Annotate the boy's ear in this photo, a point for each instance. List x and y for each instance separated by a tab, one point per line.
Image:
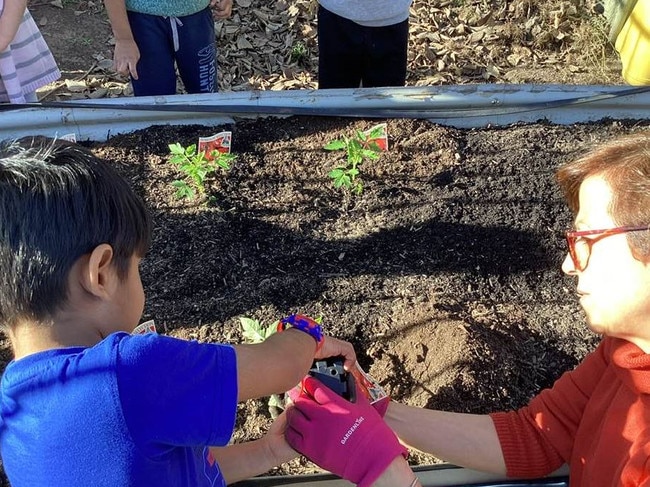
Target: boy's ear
98	276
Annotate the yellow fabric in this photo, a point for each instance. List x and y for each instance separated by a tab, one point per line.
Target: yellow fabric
633	44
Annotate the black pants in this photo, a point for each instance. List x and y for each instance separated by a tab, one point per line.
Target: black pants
352	55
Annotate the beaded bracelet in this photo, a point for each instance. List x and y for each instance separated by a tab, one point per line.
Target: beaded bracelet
303	323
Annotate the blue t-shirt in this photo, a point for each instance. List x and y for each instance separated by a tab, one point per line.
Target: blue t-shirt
134	410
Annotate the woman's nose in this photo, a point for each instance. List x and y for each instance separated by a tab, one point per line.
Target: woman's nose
568	267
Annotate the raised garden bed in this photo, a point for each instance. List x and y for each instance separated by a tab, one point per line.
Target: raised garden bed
444	272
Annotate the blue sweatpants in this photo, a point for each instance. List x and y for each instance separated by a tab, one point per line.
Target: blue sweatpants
352	55
165	42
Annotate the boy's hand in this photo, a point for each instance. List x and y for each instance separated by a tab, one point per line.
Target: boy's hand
278	450
333	347
348	439
125	57
221	9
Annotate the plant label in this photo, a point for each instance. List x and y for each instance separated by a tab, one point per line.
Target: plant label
369	386
143	328
69	137
218	142
379	135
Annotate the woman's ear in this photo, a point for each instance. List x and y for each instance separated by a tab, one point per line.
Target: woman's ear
98	275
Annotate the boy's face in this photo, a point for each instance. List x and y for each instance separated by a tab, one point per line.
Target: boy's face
614	287
130	297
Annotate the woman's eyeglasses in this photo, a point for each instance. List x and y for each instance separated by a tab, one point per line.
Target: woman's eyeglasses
580	247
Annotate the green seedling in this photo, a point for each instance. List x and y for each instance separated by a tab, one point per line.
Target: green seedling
196	166
299	52
359	148
255	332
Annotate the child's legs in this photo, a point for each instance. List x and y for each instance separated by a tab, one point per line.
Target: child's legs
387	51
196	57
156	72
340	62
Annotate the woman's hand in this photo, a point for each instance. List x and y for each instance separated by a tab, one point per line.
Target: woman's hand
348	439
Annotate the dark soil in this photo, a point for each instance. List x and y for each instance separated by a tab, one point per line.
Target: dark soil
444	272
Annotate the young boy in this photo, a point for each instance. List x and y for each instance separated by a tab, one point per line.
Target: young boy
154	37
85	402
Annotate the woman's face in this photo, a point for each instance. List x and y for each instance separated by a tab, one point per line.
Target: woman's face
614	287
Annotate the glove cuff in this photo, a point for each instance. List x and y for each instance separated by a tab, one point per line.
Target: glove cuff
365	467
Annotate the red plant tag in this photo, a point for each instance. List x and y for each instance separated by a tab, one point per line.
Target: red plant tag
218	142
369	386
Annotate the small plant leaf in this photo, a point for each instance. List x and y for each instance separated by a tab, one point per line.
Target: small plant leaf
376	133
183	190
276	401
355	158
254	331
355	145
176	149
221	160
344	180
335	145
251	330
275	405
202	172
370	154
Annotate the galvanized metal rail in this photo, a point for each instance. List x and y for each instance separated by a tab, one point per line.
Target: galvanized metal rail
462	106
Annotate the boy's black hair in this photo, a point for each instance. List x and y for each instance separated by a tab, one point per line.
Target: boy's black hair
58	202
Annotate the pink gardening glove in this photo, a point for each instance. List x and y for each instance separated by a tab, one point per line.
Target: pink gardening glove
348	439
381	406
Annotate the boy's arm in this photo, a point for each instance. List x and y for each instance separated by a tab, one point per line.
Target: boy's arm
242	461
468	440
126	54
246	460
281	361
12	15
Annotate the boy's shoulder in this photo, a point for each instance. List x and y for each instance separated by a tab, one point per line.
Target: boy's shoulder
47	361
119	355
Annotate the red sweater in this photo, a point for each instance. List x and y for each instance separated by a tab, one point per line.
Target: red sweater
595	418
